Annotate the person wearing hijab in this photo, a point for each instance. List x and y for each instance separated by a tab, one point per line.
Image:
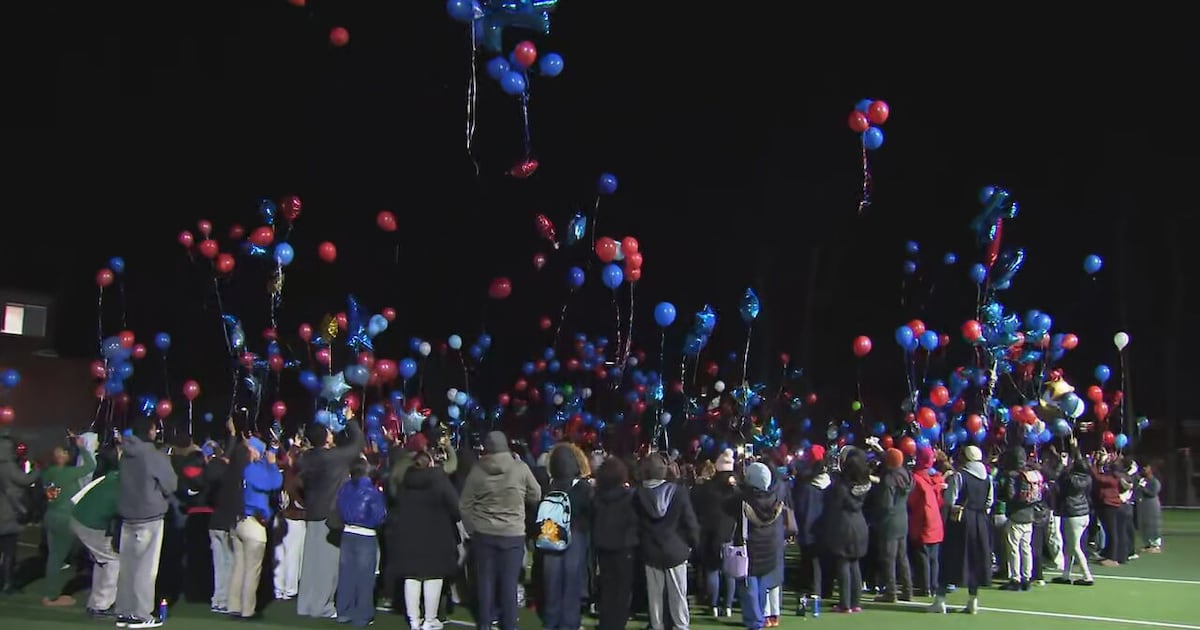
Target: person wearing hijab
846	534
564	573
967	551
925	528
761	526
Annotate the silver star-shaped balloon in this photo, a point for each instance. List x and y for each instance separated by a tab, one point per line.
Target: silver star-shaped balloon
334	387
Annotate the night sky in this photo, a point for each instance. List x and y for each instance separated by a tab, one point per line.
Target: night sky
726	128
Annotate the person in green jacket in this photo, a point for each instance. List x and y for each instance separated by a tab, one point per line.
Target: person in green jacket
61	482
91	522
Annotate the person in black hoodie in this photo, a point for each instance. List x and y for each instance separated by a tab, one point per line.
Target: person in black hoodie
761	526
889	518
846	535
668	531
219	542
197	506
564	573
323	470
808	499
615	538
715	501
1074	506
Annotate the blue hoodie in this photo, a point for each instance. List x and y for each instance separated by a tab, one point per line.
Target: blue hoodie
260	479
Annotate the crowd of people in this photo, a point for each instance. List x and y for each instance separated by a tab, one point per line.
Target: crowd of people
346	533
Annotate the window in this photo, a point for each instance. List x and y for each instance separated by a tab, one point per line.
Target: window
24	319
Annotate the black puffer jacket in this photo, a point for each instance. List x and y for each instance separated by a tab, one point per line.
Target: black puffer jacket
716	502
764	524
888	503
1075	493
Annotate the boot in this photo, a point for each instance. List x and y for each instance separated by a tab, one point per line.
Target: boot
972	605
938	607
906	594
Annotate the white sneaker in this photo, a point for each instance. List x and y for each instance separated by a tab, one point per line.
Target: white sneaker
972	606
432	624
728	612
938	607
145	623
716	612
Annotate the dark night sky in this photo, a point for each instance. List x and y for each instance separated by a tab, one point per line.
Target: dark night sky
726	128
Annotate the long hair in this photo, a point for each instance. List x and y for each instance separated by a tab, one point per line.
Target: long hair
233	498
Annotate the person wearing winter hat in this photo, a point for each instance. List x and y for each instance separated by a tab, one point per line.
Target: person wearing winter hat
717	522
494	498
808	500
967	554
668	531
889	520
761	527
925	528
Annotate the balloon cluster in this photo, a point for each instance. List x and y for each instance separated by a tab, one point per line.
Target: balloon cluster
489	18
612	251
512	74
866	119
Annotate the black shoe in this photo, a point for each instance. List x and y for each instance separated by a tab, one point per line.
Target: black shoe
1010	586
1061	580
1082	582
1024	585
100	615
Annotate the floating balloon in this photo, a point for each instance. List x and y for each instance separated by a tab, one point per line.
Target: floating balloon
386	221
861	346
872	138
1092	264
500	289
664	314
1121	340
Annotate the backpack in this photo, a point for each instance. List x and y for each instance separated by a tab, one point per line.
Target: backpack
1031	487
553	522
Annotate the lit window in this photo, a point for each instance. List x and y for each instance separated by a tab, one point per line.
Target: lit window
24	319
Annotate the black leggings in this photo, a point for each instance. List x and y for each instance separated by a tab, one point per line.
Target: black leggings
8	561
928	565
849	582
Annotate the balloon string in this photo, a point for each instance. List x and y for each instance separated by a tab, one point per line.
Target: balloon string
420	381
562	319
662	359
617	315
466	373
100	316
525	118
865	200
189	417
121	290
595	226
629	331
746	353
472	93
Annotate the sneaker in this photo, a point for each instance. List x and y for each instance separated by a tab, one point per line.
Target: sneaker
716	612
1024	585
384	605
728	612
1084	582
853	609
886	598
123	621
1011	585
1039	582
220	610
101	614
147	622
1134	557
1061	580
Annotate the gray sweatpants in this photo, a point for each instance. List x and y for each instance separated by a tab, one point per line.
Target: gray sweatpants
318	573
674	581
106	565
141	544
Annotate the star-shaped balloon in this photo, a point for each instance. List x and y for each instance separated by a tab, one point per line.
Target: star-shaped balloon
333	387
234	332
750	306
533	15
356	327
576	228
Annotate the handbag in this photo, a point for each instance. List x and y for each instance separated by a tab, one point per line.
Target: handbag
735	559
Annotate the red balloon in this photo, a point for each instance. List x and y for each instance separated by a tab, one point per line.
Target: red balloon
606	249
917	326
939	396
186	239
785	358
279	410
524	169
236	232
629	245
366	359
972	331
544	323
327	252
248	359
342	320
545	229
306	332
290	206
500	289
104	278
209	248
1101	410
297	3
389	314
386	221
323	356
191	390
712	369
633	275
959	406
539	261
811	399
1109	438
225	264
858	122
387	369
927	418
126	338
520	385
878	112
633	261
97	369
263	236
973	423
1095	394
908	446
163	408
993	248
525	54
7	415
139	351
861	346
339	36
275	362
887	442
943	340
1070	341
204	227
352	400
503	399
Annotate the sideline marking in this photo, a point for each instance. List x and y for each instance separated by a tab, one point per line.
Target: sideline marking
1134	578
1039	613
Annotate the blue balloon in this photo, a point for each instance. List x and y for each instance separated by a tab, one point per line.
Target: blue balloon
550	65
310	382
455	342
1122	440
460	10
1102	373
929	340
978	273
284	254
10	378
664	314
872	138
909	267
575	277
356	374
117	264
162	341
408	368
484	341
1092	264
863	106
513	83
497	67
607	184
904	336
912	248
612	276
950	258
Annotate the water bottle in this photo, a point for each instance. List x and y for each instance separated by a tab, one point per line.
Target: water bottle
162	610
815	602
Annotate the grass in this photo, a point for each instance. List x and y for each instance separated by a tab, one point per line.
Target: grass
1154	591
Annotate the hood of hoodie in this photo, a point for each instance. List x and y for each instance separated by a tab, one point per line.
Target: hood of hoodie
421	478
761	508
976	470
564	465
820	481
859	491
609	496
656	497
497	463
132	447
898	478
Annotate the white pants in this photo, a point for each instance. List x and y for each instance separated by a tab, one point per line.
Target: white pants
1074	529
413	592
249	547
1020	551
673	582
141	546
774	602
222	552
1054	540
289	557
106	565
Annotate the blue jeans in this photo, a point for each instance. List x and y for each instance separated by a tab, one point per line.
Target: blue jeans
754	600
714	580
564	574
498	564
356	579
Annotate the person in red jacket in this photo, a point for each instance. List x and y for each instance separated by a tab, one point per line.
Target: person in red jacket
1107	484
925	527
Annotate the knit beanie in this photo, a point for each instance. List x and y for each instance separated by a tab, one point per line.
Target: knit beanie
893	458
972	453
816	453
725	461
495	442
758	476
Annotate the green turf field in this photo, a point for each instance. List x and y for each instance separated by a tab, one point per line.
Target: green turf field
1155	591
